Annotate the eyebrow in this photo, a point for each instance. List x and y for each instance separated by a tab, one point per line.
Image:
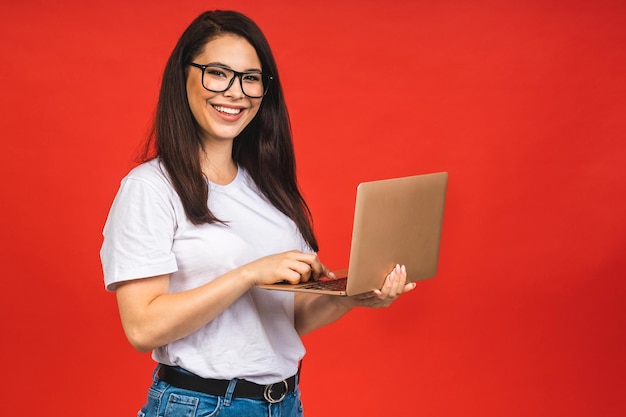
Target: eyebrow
219	64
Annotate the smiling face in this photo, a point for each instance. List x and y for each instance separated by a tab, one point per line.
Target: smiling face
222	116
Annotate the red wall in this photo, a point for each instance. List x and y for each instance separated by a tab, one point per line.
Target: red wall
522	102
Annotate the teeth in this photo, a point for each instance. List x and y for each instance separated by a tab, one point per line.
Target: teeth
227	110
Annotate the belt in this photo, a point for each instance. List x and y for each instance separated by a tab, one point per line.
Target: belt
272	393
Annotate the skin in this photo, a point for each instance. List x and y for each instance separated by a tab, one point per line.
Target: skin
153	317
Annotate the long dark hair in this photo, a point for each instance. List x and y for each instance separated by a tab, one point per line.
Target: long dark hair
264	148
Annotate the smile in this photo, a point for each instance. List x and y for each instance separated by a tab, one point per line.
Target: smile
227	110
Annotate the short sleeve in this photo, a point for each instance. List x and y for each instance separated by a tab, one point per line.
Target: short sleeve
138	234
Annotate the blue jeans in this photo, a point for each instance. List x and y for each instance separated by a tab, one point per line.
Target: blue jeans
165	400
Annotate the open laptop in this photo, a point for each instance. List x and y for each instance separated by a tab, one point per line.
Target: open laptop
396	221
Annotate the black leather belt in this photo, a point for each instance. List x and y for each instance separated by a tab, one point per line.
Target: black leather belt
272	393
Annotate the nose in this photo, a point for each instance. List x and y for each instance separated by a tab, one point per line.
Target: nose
235	90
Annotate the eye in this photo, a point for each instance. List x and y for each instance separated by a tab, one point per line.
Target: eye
216	72
252	78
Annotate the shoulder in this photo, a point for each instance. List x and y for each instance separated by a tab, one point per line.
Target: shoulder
151	174
151	171
147	184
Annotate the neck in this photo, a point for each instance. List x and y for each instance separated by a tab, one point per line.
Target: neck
217	163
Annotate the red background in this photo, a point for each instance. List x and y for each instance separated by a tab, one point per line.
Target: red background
522	102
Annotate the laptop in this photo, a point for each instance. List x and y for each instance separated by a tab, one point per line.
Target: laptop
396	221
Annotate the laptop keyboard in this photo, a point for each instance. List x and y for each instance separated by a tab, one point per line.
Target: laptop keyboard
328	285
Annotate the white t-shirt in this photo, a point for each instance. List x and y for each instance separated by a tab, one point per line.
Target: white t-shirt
147	234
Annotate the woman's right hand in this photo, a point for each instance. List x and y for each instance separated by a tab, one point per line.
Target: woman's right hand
292	267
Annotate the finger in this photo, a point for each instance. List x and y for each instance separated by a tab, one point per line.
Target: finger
295	269
407	286
328	273
303	269
400	281
290	275
403	285
397	282
318	270
389	288
392	288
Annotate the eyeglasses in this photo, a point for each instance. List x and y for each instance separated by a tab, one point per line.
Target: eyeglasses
219	78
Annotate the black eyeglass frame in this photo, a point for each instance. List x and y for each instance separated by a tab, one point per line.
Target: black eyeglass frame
240	74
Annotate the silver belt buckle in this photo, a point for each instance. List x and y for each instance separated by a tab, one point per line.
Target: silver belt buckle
267	393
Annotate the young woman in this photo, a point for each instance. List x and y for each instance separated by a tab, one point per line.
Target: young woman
213	212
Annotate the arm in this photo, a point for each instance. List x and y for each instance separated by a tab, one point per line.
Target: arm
153	317
314	311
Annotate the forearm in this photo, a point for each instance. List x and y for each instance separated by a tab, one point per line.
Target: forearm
163	318
314	311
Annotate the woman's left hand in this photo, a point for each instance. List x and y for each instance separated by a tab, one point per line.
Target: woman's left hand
394	286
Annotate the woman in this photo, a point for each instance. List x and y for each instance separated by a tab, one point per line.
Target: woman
186	271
